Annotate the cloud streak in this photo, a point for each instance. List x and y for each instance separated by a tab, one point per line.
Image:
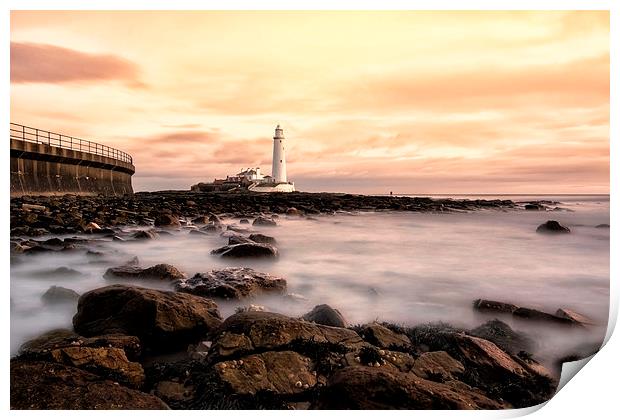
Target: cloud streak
44	63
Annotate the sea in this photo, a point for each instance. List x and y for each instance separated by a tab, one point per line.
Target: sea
400	267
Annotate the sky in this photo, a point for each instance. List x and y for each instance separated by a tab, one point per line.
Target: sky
370	102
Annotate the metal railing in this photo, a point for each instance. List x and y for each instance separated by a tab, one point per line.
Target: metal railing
35	135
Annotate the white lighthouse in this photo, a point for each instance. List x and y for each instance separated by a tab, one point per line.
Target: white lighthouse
278	164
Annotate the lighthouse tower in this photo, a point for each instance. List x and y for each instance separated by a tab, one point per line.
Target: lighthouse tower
278	165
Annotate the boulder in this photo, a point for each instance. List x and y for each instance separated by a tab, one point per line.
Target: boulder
326	315
247	250
263	221
552	226
368	388
380	336
504	337
162	320
437	366
244	222
37	385
262	239
211	228
264	331
60	295
603	226
484	305
201	220
108	362
232	283
282	372
156	272
167	220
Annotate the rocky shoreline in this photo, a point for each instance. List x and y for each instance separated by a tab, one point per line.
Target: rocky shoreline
133	347
139	348
35	216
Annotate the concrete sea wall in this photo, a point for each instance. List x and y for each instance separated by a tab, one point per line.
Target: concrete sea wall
41	169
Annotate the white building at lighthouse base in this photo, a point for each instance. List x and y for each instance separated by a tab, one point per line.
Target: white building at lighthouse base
280	187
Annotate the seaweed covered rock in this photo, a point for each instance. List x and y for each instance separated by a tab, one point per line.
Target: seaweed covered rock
504	337
232	283
383	337
156	272
52	386
162	320
437	366
247	250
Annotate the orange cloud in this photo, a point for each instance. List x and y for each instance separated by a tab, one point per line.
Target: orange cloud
43	63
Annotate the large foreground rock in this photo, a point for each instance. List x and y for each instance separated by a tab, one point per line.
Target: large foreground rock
506	338
44	344
39	385
162	320
364	388
251	332
247	250
232	283
108	362
284	372
383	337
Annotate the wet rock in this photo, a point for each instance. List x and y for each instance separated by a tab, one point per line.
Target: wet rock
484	305
39	348
244	222
536	315
232	283
283	372
383	337
247	250
250	308
603	226
156	272
162	320
214	218
108	362
262	239
47	386
437	366
238	239
174	392
92	227
504	337
263	221
574	316
367	388
552	226
60	295
326	315
167	220
145	234
264	331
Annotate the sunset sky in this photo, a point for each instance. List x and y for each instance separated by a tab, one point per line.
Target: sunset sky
371	102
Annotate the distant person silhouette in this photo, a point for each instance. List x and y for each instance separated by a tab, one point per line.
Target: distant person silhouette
391	193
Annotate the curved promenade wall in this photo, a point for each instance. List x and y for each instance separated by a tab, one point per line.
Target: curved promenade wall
41	169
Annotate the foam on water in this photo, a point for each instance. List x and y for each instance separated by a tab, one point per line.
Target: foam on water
406	268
